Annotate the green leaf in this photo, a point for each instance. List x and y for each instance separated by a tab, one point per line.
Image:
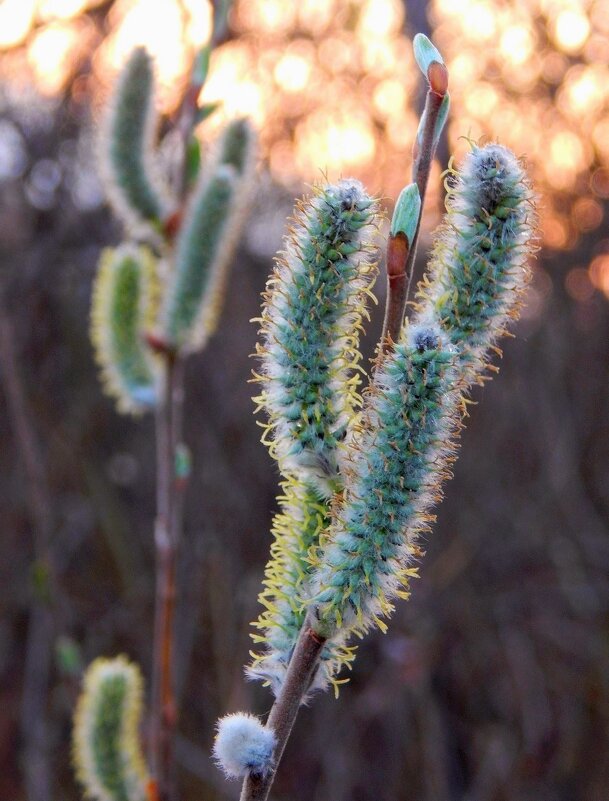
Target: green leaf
193	160
205	111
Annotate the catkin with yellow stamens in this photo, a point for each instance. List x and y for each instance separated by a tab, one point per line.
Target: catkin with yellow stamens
479	268
105	740
133	183
314	306
122	311
398	461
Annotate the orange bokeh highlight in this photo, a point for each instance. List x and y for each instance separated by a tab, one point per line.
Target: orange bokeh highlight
332	85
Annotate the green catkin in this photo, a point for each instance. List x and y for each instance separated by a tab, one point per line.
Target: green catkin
313	311
208	237
132	181
314	306
296	529
399	459
478	274
123	309
106	750
479	270
200	258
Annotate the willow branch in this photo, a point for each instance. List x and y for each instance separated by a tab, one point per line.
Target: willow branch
307	651
401	253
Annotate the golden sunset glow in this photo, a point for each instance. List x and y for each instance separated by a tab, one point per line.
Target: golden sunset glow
332	85
16	18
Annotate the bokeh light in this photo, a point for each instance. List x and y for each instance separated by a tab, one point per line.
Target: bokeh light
333	88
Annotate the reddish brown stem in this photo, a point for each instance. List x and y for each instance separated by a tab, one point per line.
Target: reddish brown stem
397	289
421	169
401	254
307	651
164	713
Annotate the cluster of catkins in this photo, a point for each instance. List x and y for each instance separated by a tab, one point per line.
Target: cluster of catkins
163	287
361	475
360	472
156	297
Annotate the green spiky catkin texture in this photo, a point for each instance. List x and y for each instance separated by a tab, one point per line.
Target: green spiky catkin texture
314	306
105	740
208	236
303	517
132	179
399	459
479	269
123	309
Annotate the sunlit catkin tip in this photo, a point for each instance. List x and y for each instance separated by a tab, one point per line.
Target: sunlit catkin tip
430	63
406	213
315	303
203	249
123	309
243	746
480	267
106	750
128	163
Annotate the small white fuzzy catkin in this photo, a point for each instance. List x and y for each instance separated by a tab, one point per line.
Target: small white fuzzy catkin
243	745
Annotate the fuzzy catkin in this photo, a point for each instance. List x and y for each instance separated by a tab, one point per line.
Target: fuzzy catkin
398	462
123	308
297	528
106	750
132	180
208	237
200	259
313	310
479	266
243	745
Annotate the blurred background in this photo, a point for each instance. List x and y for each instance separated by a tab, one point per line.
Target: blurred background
493	681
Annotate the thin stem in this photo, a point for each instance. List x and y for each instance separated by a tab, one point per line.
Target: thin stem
170	490
421	168
307	651
401	254
170	503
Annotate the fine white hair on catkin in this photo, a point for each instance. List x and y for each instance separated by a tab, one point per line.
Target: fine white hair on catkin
243	745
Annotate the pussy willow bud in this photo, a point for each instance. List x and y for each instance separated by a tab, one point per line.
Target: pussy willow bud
243	745
123	309
134	186
479	267
296	529
190	311
399	459
313	311
106	749
208	237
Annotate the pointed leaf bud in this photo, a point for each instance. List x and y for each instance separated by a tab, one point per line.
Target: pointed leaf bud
406	212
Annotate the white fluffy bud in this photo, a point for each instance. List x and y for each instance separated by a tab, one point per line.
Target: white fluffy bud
243	745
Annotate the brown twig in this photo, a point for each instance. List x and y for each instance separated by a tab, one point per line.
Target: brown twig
170	502
307	651
401	253
170	493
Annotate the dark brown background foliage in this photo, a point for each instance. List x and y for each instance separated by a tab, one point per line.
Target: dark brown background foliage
493	681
